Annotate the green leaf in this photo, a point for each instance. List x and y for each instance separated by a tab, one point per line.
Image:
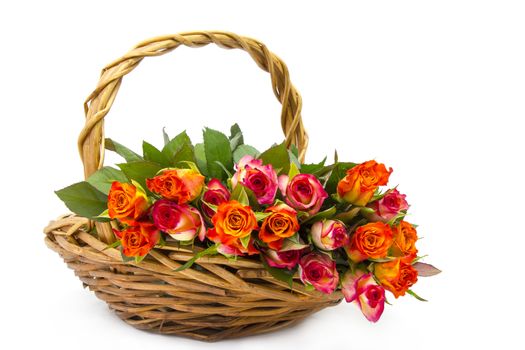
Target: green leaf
294	160
293	243
138	259
412	293
240	195
261	216
217	149
236	138
104	177
209	251
243	150
200	158
179	149
124	257
278	157
347	216
284	275
337	174
140	171
226	171
245	241
104	216
113	245
426	270
122	151
293	171
84	199
184	154
152	154
166	137
325	214
313	168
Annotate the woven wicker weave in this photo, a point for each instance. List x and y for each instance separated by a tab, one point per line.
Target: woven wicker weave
216	298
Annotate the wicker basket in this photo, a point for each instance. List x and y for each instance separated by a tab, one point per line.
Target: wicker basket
215	299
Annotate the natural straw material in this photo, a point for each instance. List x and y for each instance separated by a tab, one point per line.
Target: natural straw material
216	298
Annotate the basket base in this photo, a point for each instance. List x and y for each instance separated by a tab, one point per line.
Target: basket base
214	299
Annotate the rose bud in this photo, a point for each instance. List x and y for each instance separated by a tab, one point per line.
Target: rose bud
180	221
397	275
215	194
363	289
303	192
388	207
361	181
261	179
280	224
282	260
137	241
126	202
319	271
369	241
405	237
329	234
178	185
231	223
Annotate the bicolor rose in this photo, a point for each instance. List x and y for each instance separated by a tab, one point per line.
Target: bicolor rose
280	224
363	289
388	207
405	237
329	234
178	185
137	241
282	260
320	271
261	179
180	221
303	192
397	275
215	194
370	241
361	181
126	202
233	222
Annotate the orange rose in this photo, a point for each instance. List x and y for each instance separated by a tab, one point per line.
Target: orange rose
405	237
280	224
361	181
126	202
370	241
178	185
231	222
138	240
397	275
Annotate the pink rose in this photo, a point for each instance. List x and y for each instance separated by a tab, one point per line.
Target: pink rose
180	221
304	192
389	206
261	179
329	234
319	271
282	260
216	193
363	289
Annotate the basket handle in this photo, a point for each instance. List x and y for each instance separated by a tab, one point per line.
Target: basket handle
99	102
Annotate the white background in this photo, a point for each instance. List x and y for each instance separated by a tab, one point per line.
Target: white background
434	89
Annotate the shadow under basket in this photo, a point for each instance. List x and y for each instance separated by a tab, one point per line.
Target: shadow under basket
216	298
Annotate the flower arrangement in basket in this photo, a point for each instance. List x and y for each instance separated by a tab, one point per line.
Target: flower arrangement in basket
216	239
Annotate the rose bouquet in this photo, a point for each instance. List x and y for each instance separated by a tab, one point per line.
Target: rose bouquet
330	226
